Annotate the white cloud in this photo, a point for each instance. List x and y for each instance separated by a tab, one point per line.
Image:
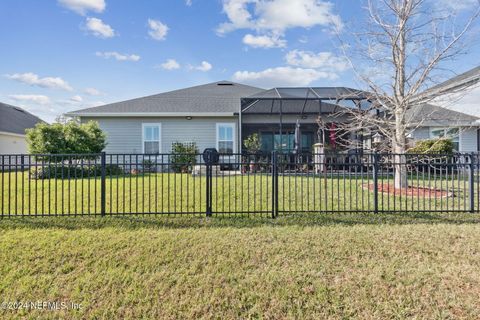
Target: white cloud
82	6
238	14
204	67
46	82
264	41
118	56
99	29
49	109
188	2
282	76
92	92
276	16
158	30
170	64
304	67
323	60
76	98
34	98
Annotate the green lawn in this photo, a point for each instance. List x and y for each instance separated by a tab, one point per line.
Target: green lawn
313	266
168	192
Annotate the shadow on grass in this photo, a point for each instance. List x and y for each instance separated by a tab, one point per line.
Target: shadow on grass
301	220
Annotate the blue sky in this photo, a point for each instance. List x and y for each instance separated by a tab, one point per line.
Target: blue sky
62	55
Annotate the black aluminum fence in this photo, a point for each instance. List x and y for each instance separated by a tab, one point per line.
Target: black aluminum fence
261	184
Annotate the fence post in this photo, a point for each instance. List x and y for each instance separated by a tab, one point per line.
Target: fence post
471	182
210	157
22	162
274	185
375	182
103	190
208	175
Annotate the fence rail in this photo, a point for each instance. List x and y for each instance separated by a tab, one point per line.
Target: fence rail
260	184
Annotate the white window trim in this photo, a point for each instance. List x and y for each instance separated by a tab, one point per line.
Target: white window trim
234	135
445	128
159	125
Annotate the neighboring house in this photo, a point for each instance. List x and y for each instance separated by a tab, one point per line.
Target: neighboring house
13	123
454	113
429	122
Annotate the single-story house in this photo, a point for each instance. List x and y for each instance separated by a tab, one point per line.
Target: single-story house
213	115
13	123
205	114
222	114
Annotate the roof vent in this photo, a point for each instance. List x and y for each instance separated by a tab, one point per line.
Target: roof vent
19	110
225	84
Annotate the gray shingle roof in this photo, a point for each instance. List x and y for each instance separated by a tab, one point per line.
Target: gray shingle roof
465	79
16	120
455	84
216	97
429	114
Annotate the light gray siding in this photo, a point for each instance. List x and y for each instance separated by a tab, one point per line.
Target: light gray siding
421	133
468	140
124	135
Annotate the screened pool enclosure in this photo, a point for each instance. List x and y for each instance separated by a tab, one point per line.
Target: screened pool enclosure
286	119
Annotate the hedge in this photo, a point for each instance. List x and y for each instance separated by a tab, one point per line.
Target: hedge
67	171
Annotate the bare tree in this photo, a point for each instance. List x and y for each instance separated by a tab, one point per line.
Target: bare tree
405	49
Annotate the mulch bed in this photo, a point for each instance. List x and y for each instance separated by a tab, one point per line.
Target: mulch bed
420	192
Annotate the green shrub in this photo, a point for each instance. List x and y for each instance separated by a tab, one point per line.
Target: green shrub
252	143
72	171
184	156
433	155
441	146
69	138
149	166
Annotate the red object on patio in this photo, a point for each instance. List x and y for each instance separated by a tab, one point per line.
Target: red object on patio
333	135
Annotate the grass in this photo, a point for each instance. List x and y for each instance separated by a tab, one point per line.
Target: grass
168	192
301	265
312	266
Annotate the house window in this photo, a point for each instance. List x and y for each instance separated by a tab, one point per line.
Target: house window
151	138
225	137
449	133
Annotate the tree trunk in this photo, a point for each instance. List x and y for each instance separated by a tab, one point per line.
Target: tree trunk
399	150
400	137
